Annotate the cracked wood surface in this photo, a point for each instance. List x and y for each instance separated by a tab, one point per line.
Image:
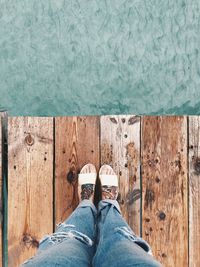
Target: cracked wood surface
158	158
164	188
194	191
120	148
30	185
76	143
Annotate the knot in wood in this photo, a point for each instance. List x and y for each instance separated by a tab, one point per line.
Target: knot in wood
30	240
162	215
149	197
197	165
147	219
157	179
71	176
113	120
133	120
29	140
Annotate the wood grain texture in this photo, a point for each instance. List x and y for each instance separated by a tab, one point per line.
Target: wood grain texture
164	188
120	148
76	143
30	185
194	191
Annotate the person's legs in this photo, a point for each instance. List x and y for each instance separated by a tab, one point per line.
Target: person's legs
73	242
117	244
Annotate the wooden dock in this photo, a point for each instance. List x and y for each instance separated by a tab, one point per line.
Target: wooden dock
157	160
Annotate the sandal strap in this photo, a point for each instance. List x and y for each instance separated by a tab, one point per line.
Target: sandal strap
86	191
109	192
109	179
87	178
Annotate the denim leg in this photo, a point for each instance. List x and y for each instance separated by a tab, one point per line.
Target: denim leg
117	244
72	243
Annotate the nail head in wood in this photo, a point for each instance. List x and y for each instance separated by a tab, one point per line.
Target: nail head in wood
162	215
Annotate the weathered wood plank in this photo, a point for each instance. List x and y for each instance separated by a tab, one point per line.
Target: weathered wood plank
120	148
30	185
194	191
164	188
76	143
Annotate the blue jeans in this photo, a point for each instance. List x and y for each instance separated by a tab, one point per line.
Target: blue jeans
91	237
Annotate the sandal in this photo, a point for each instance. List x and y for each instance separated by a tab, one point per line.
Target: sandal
86	182
109	182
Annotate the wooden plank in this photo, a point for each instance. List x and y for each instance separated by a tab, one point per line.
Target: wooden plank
164	188
194	191
30	185
120	148
76	143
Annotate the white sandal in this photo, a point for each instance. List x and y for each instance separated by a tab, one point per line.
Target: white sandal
86	182
87	178
109	182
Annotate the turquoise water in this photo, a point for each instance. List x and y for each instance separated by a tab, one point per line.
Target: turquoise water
61	57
